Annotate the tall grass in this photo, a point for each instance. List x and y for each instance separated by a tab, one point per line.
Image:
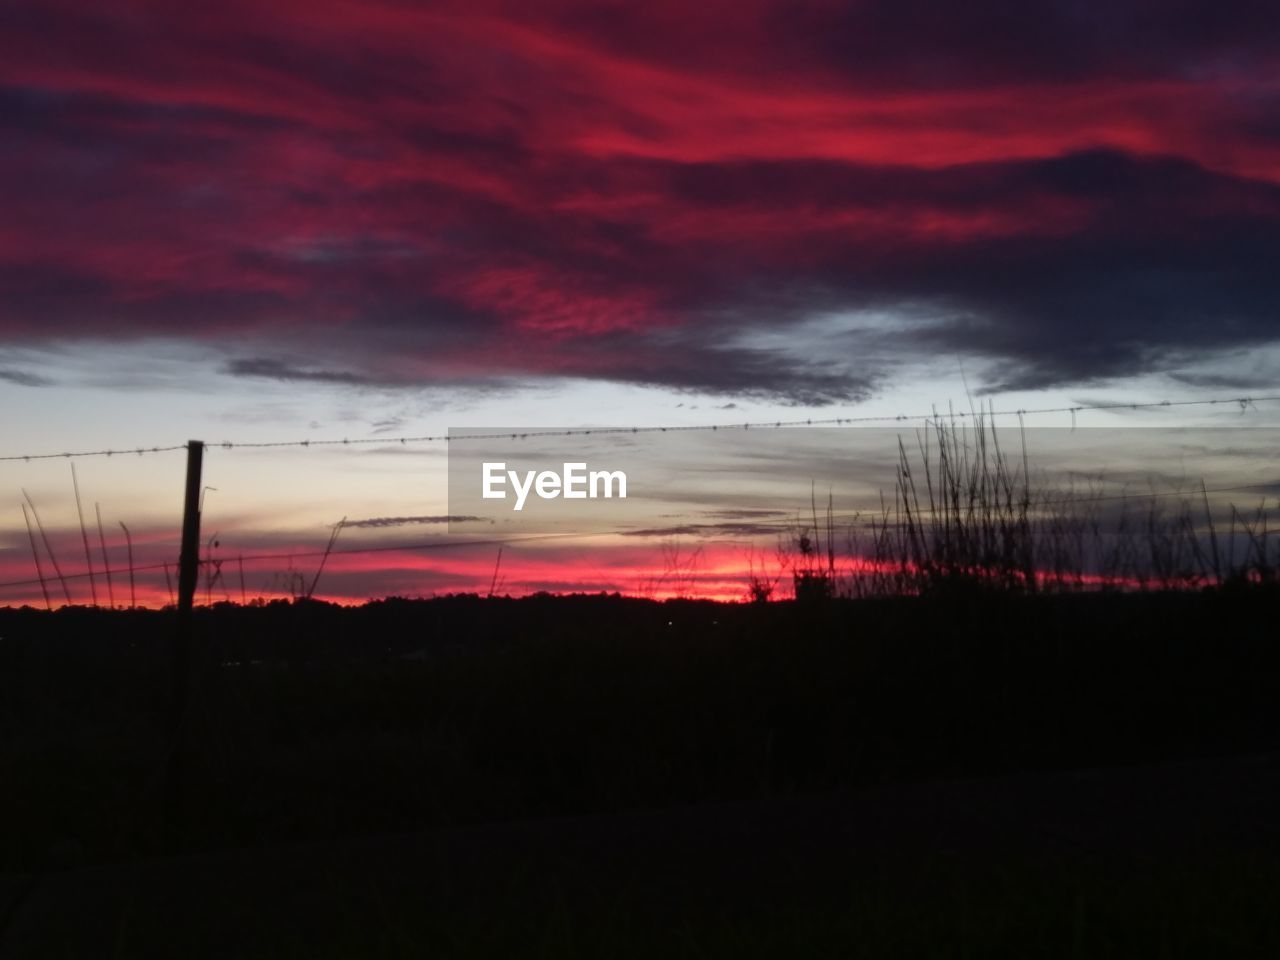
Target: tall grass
967	514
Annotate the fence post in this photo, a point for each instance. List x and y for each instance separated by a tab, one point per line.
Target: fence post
188	575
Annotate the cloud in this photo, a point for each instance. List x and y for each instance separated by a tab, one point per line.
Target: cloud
23	378
281	370
1227	380
644	194
739	529
383	522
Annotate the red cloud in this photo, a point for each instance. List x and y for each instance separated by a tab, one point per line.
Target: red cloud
413	188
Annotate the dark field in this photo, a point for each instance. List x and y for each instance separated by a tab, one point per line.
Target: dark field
311	724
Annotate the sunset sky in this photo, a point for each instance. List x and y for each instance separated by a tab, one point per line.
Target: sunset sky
285	220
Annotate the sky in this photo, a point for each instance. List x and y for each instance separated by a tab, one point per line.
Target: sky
247	222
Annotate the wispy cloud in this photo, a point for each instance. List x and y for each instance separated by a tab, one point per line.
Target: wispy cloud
280	370
24	379
382	522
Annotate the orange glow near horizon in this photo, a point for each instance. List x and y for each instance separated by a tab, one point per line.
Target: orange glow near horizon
715	572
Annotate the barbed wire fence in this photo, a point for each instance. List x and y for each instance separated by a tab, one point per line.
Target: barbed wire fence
974	416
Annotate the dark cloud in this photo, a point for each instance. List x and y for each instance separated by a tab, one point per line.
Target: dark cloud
1228	381
645	193
997	41
922	44
709	530
696	361
24	379
382	522
744	514
280	370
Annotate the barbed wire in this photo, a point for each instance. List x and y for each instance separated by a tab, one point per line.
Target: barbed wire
139	451
1244	403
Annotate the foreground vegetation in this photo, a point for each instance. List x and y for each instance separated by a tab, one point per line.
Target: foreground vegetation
311	721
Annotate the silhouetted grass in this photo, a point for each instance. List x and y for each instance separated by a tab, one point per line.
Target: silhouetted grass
966	514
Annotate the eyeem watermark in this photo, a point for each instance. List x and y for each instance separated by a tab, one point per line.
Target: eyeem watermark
574	482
